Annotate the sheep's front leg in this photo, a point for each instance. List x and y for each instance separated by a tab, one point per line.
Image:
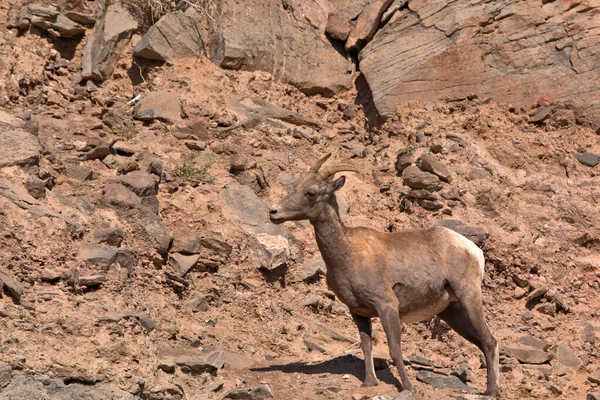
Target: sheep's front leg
365	330
393	330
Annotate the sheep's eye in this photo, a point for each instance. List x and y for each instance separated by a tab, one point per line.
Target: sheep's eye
309	194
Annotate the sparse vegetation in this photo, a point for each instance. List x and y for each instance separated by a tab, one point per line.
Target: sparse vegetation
188	169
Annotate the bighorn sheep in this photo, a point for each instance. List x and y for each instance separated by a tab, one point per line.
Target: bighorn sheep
406	276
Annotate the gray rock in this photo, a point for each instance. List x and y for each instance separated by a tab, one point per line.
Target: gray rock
593	377
18	147
310	270
593	396
404	159
547	308
253	393
312	346
92	280
241	162
110	236
176	35
185	242
414	178
478	173
81	18
421	194
141	183
111	34
420	360
163	105
406	395
99	152
10	284
335	335
105	257
59	26
5	375
36	187
198	302
78	172
588	334
589	159
536	294
565	356
146	323
183	263
431	163
533	342
527	355
442	382
476	235
366	24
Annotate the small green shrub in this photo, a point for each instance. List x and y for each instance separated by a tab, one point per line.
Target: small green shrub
189	170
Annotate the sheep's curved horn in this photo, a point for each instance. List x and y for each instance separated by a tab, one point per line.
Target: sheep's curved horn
320	162
330	170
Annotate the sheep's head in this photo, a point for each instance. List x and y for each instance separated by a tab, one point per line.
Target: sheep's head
310	193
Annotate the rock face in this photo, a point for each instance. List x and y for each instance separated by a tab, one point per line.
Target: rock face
176	35
111	33
287	40
510	50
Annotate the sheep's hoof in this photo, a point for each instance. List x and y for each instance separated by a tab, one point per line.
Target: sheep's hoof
370	382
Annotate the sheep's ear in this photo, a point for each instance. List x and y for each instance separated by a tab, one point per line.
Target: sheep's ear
336	184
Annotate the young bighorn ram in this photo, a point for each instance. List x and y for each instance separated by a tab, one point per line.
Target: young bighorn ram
399	277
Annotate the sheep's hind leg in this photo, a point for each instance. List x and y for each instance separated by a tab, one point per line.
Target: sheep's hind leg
365	330
470	324
393	330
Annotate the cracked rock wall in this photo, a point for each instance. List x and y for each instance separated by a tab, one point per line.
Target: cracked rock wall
514	51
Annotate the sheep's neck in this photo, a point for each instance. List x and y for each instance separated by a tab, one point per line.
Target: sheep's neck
331	238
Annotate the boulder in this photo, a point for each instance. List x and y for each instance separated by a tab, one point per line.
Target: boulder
414	178
141	183
176	35
287	40
10	284
588	159
163	105
274	250
183	263
186	242
367	24
430	163
508	50
566	357
110	236
442	382
527	355
111	34
18	147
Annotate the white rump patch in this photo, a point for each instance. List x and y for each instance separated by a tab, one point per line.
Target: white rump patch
471	248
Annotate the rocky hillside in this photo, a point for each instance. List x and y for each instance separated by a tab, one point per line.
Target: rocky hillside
143	142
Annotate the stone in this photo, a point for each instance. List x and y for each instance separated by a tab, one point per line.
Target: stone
81	18
335	335
92	280
404	159
59	26
338	28
533	342
442	382
274	249
562	118
366	24
253	393
588	334
547	308
414	178
111	34
527	355
527	316
309	271
192	360
198	302
256	105
431	205
99	152
78	172
36	187
588	159
476	235
593	377
478	174
141	183
18	147
11	285
420	360
416	56
536	294
105	257
146	323
406	395
288	41
112	236
163	105
183	263
241	162
50	275
185	242
311	346
148	227
566	357
176	35
430	163
593	396
5	375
